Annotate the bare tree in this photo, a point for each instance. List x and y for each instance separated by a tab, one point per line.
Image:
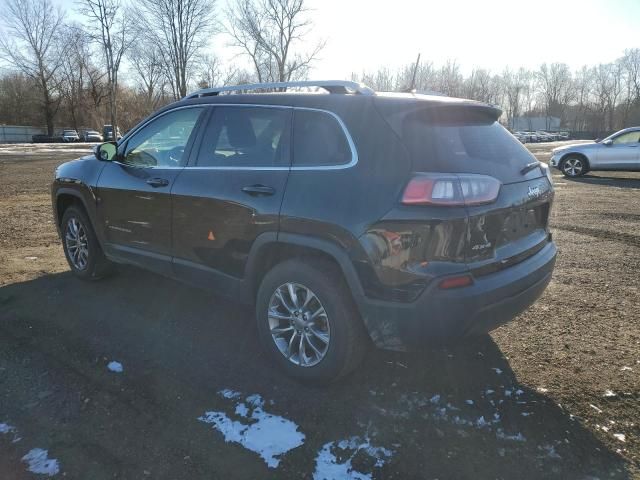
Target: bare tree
147	61
181	29
29	42
113	34
268	32
555	84
213	73
449	79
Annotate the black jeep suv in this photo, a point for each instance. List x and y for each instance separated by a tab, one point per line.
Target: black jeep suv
345	217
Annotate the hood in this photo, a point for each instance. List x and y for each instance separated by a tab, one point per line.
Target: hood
577	146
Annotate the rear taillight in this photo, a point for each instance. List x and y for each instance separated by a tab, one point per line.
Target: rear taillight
451	189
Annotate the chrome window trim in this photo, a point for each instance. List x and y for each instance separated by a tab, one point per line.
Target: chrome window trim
345	131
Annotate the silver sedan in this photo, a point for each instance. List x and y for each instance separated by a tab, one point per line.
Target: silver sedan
620	151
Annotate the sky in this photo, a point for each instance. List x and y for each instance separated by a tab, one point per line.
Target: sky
493	34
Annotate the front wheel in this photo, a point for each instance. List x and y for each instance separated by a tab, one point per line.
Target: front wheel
574	167
308	323
81	246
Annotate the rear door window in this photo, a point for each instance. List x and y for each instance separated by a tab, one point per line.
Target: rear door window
319	140
246	137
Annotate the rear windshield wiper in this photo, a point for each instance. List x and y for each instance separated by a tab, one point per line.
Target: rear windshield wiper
528	167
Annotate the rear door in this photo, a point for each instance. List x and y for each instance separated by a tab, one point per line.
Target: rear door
230	192
134	191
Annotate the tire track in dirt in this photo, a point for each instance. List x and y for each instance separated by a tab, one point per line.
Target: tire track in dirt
626	238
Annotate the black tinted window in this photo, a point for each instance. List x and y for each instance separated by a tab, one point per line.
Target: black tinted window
318	139
246	136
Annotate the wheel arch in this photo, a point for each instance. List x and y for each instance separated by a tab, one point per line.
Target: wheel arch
271	249
66	197
575	154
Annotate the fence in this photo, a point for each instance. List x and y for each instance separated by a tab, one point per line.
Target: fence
15	134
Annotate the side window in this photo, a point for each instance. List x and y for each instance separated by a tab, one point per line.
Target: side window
631	137
318	140
161	143
246	137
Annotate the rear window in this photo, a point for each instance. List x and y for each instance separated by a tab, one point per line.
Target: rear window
318	140
463	142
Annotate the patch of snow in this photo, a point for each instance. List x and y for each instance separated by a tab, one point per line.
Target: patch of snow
595	408
518	437
38	461
330	467
489	391
30	258
6	428
526	414
435	399
609	394
227	393
542	390
620	436
268	435
497	370
519	392
625	368
550	451
469	402
507	393
115	367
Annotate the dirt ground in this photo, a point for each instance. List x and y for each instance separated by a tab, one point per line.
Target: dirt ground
553	394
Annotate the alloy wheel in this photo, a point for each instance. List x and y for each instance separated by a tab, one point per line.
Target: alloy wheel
572	167
299	324
77	243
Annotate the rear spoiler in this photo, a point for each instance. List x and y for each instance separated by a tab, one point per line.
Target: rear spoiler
442	111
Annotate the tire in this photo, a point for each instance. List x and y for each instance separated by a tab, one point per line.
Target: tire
340	325
95	265
574	166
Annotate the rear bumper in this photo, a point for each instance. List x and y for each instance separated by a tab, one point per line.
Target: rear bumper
439	316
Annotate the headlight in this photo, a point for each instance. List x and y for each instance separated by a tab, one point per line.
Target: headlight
547	171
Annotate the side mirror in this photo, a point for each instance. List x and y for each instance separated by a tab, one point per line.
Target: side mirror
107	151
608	142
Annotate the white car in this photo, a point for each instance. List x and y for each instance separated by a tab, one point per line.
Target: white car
70	136
620	151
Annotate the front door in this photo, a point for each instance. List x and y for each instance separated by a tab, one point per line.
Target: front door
230	193
134	192
622	154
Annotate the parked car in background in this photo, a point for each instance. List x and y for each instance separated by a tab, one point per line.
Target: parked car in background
520	136
91	136
620	151
107	133
246	195
44	138
70	136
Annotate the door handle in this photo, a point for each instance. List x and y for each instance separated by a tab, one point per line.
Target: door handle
158	182
258	190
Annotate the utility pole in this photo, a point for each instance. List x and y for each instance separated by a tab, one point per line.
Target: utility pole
415	71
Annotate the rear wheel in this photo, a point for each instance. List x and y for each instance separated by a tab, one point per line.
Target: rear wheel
308	323
81	246
574	166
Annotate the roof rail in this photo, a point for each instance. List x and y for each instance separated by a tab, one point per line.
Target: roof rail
331	86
